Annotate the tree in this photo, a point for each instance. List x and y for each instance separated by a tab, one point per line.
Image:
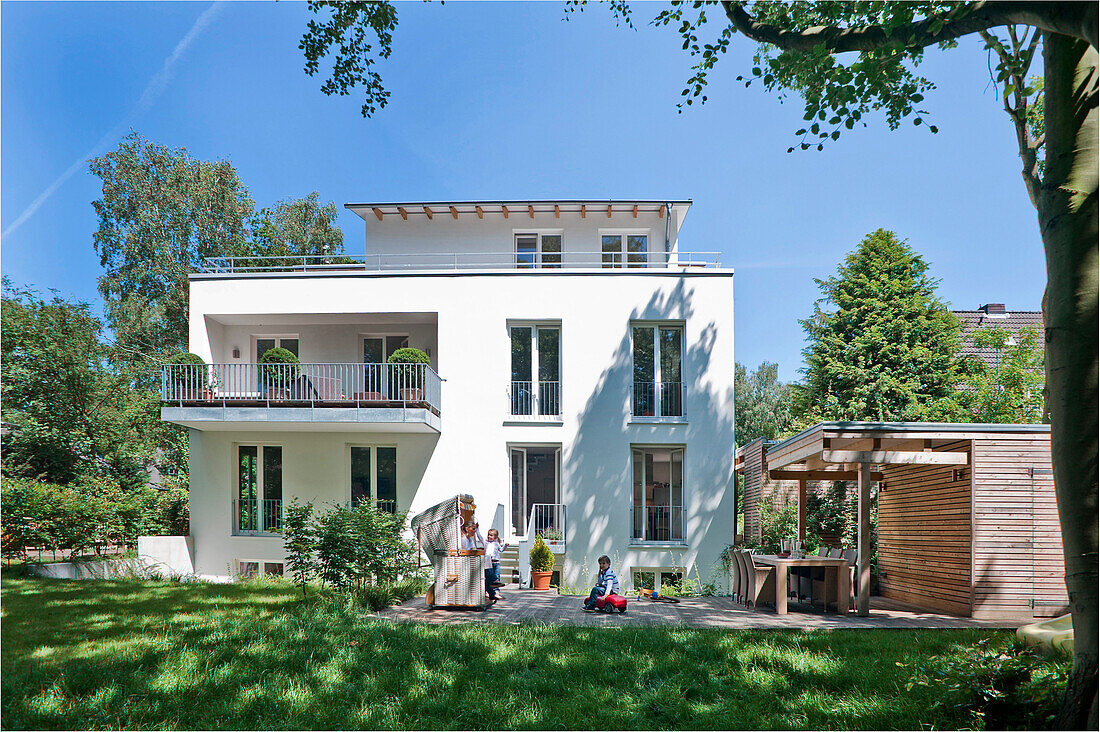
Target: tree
1010	391
161	214
762	403
881	344
800	49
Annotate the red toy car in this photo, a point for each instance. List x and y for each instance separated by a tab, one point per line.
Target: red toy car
610	603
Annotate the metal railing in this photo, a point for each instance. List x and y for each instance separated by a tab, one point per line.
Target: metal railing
657	399
339	384
657	523
258	516
548	521
405	261
535	400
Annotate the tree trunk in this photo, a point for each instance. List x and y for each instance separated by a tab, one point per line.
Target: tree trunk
1068	222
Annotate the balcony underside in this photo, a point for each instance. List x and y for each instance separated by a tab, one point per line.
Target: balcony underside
316	418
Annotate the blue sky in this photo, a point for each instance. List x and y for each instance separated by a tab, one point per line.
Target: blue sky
509	101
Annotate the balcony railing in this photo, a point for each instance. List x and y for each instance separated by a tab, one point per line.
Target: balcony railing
315	384
658	399
507	260
258	516
658	523
535	400
548	521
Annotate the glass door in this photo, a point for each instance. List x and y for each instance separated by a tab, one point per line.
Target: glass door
536	491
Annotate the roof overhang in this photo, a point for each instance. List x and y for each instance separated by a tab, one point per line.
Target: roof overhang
519	210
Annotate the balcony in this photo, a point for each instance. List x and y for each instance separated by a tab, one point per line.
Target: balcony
459	261
658	400
349	394
257	517
535	401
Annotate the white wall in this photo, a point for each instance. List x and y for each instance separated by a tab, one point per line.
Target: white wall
473	355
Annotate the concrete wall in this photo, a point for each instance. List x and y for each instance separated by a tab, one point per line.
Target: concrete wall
471	455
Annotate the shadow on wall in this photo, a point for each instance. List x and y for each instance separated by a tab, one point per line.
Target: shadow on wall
597	471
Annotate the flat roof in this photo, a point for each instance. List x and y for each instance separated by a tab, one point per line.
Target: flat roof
677	208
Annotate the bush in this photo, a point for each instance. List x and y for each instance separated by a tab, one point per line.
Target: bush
408	355
995	687
542	559
279	368
196	377
409	374
777	525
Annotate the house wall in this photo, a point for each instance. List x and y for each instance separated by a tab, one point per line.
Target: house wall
1017	537
473	355
924	535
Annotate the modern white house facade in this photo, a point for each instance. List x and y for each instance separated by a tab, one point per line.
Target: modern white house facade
580	384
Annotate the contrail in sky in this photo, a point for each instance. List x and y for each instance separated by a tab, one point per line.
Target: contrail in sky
153	89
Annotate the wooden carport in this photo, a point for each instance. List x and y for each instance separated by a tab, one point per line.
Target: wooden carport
967	520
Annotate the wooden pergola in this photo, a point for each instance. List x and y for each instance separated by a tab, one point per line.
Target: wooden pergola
981	493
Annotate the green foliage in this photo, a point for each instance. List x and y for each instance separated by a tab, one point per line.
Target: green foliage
86	517
831	511
777	524
195	377
542	559
347	548
349	26
881	344
995	686
408	355
762	404
1012	391
279	368
161	213
409	372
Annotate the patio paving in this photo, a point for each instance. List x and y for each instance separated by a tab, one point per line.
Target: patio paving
529	606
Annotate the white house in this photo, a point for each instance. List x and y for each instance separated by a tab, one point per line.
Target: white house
580	385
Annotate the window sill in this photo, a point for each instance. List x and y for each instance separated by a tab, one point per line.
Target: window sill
533	423
256	535
635	544
657	420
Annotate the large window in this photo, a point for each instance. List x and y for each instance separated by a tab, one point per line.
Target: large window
374	476
658	495
259	504
538	250
536	492
633	249
658	374
376	353
535	388
266	343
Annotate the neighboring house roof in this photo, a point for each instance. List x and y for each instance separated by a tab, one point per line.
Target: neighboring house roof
522	208
994	314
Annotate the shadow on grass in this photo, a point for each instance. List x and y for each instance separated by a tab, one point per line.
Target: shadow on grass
133	654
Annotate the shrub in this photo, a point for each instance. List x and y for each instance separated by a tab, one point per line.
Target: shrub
279	367
299	543
408	374
408	355
777	525
194	377
542	559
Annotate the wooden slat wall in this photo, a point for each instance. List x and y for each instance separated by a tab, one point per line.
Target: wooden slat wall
1017	537
753	460
924	540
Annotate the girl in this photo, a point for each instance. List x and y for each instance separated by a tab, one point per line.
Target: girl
493	547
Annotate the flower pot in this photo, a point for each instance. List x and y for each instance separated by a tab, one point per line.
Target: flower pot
412	395
189	394
540	580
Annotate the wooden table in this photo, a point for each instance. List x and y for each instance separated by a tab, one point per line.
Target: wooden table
782	564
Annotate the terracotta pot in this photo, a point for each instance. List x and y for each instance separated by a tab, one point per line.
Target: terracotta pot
196	395
412	395
540	580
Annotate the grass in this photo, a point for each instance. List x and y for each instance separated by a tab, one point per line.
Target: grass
133	654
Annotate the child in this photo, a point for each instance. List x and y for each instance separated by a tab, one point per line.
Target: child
493	547
606	584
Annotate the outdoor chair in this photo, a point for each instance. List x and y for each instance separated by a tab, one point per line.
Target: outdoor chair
809	576
834	553
760	586
735	574
851	555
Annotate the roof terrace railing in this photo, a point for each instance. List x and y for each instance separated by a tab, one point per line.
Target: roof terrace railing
407	262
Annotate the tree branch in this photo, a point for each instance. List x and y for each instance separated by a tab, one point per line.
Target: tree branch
1073	19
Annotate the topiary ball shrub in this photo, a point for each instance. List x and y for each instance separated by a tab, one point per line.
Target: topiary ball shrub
193	377
279	367
408	375
409	355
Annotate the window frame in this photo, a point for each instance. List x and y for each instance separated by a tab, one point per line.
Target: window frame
539	253
622	258
655	326
278	338
552	394
373	447
261	490
644	540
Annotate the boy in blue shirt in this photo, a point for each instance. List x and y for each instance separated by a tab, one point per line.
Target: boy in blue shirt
606	584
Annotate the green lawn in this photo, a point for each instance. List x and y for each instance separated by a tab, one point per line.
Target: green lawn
132	654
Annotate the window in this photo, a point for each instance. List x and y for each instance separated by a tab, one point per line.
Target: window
536	492
374	476
658	495
658	385
535	389
376	353
246	569
634	246
266	343
541	250
259	504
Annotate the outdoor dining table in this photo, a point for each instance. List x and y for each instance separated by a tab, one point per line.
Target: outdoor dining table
782	564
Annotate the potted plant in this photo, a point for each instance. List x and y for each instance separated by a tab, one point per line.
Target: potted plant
542	564
188	378
279	372
407	377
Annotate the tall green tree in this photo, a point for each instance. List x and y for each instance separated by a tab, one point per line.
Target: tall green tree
161	214
762	404
1011	390
882	346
